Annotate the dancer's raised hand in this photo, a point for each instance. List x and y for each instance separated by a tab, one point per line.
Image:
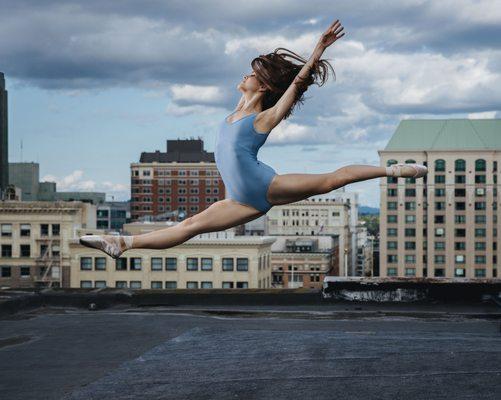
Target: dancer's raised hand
332	34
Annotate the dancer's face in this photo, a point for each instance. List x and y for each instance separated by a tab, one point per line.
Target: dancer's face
250	83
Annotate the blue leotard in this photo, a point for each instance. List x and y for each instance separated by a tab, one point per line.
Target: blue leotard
245	177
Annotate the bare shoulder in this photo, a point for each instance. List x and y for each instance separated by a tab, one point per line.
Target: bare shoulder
265	121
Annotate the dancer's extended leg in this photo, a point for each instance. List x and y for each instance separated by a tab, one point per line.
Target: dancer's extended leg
289	188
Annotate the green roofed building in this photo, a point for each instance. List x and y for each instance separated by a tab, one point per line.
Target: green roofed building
445	224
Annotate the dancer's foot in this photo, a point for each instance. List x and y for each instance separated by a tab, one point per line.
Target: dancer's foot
112	245
407	170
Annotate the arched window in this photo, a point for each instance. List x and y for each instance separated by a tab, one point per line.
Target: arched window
440	165
410	161
480	164
391	162
460	165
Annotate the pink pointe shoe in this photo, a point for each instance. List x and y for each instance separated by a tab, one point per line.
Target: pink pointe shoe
397	170
110	245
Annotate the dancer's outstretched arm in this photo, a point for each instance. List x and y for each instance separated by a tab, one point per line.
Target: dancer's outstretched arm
276	113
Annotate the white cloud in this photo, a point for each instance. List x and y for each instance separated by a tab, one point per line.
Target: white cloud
483	115
196	94
175	110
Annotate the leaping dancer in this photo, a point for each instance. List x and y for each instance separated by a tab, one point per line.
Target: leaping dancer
269	94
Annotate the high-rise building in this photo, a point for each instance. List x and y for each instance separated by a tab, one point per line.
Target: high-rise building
445	224
185	179
4	138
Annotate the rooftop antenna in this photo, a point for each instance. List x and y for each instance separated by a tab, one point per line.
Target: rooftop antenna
21	150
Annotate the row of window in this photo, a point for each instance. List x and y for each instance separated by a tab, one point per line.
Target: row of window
441	205
195	200
393	245
440	219
440	258
440	272
440	192
171	264
459	164
85	284
180	172
440	232
25	229
25	250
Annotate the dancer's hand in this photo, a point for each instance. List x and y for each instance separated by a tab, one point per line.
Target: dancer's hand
332	34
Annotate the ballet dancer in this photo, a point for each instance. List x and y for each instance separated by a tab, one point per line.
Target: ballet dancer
269	94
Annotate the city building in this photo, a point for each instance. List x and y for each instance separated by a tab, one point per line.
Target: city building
182	181
34	241
4	138
214	260
445	224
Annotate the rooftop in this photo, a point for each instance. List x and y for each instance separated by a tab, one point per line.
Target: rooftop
197	344
446	134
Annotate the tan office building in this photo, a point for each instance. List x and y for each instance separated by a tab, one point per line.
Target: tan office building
210	260
34	241
445	224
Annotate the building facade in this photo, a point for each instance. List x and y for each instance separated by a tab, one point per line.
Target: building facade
34	241
214	260
4	138
182	181
445	224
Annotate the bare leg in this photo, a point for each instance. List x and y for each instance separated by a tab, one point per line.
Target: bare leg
289	188
219	216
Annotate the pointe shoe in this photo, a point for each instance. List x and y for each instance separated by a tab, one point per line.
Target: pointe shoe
397	170
110	247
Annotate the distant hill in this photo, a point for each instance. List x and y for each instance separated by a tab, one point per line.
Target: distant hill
364	210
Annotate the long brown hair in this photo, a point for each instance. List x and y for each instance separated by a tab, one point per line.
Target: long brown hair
277	73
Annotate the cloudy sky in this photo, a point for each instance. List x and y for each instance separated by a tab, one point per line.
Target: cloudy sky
94	83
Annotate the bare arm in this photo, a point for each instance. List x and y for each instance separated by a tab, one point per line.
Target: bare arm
272	116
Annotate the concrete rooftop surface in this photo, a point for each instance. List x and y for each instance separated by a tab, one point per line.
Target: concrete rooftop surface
346	350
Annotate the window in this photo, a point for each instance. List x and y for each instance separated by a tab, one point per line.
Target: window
391	162
156	265
25	250
121	284
86	284
480	165
391	245
460	219
242	285
391	271
86	263
55	229
170	284
410	245
439	245
191	285
439	192
480	205
410	258
480	191
156	284
480	179
135	284
410	232
410	205
135	264
242	264
410	271
392	179
121	264
6	272
440	165
460	165
480	246
479	272
100	284
460	192
25	272
439	259
25	230
206	285
460	259
392	231
409	219
227	264
6	229
391	218
392	192
171	263
392	205
479	259
459	272
192	264
459	246
439	219
227	285
44	229
206	265
460	232
100	263
440	205
480	232
460	205
439	178
391	258
439	272
439	232
410	192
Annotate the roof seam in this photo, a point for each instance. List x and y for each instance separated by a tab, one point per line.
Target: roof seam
478	135
438	135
